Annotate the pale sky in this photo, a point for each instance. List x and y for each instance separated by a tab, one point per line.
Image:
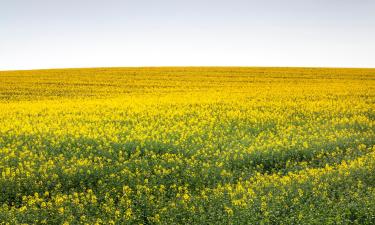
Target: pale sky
91	33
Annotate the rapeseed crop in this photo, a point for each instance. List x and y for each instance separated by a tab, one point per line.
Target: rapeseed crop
187	146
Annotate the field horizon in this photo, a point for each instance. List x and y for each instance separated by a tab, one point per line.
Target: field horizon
186	66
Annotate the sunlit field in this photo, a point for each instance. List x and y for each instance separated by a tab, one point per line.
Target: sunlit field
187	146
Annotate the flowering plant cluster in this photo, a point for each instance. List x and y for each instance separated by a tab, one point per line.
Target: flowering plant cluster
187	146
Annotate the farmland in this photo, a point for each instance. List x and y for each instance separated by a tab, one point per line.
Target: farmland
187	145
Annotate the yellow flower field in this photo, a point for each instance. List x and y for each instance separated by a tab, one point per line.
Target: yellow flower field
210	145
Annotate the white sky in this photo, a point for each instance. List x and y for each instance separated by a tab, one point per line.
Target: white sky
92	33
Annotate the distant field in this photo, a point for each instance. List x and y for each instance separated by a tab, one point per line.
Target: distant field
187	146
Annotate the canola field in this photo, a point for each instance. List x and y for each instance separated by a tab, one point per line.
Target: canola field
187	146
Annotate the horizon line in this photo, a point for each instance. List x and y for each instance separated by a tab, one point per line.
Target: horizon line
183	66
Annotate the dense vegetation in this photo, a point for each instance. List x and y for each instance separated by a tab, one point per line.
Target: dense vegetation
187	146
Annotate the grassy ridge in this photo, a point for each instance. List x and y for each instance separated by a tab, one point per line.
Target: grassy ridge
187	145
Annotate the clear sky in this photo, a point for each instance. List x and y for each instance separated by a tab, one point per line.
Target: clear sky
92	33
